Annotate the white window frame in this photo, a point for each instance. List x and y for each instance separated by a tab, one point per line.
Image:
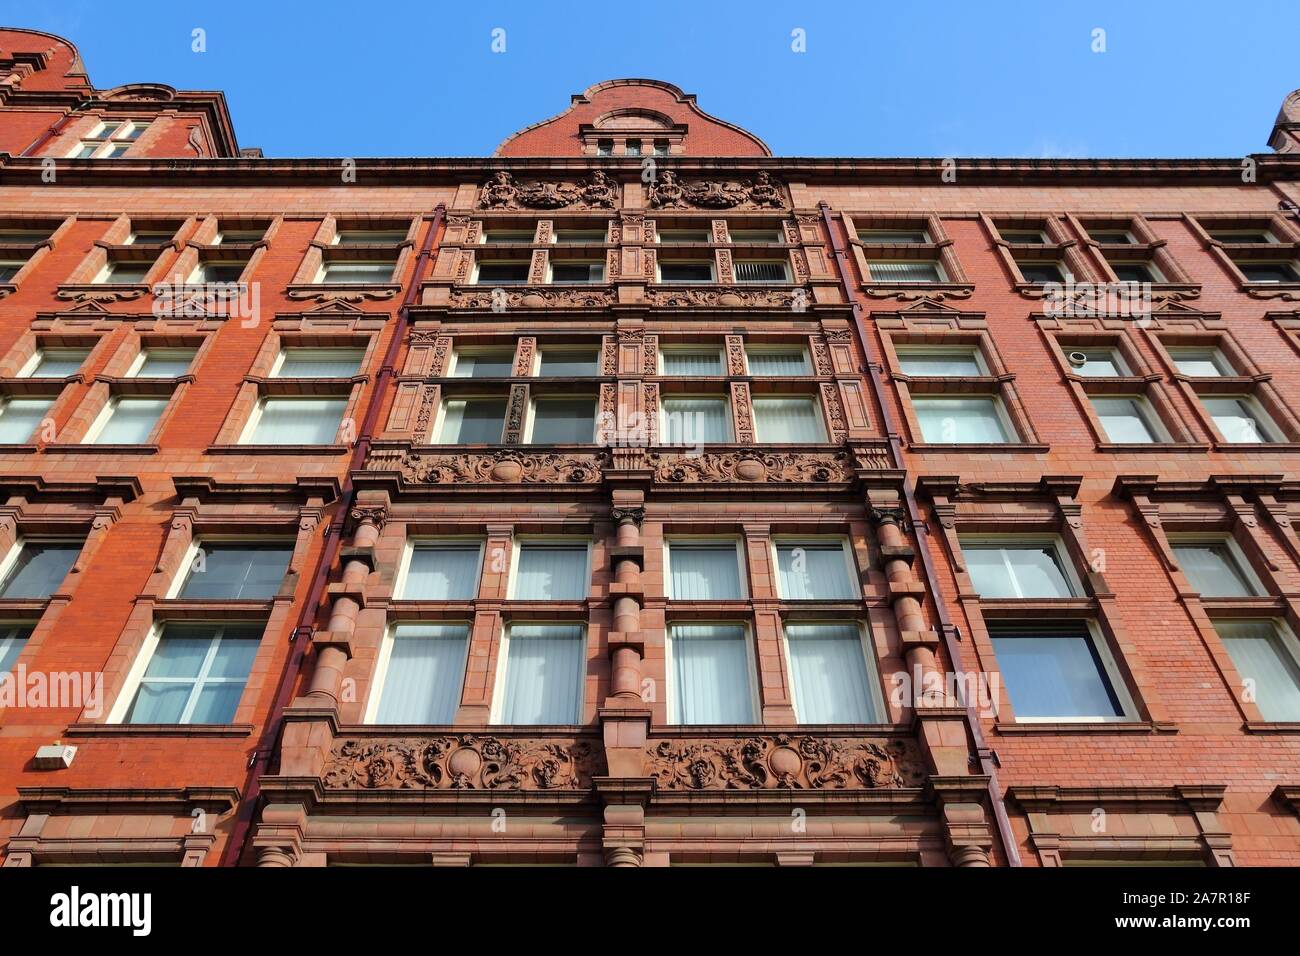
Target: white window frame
325	265
1286	637
478	267
440	420
137	363
783	263
550	271
742	566
675	231
198	275
751	666
1145	411
532	415
1116	358
535	370
385	655
940	272
1267	425
512	585
471	351
1112	673
693	350
105	275
196	545
818	412
1155	276
869	661
818	540
910	350
727	414
1008	541
1216	358
110	408
21	541
284	351
1238	556
105	144
33	363
250	427
1010	432
408	552
659	275
503	664
772	349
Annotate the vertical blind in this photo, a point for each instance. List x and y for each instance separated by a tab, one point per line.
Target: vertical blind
196	675
710	675
1212	570
829	671
130	421
544	674
442	572
695	421
551	572
959	420
909	271
767	363
425	669
681	362
815	572
787	420
1055	674
704	572
472	421
299	421
1262	657
20	417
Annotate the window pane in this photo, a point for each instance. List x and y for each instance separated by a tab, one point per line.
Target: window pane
710	675
320	363
760	271
1020	571
39	568
681	362
829	673
1098	363
544	675
216	703
893	236
704	572
905	271
484	365
1039	272
160	703
20	417
1213	570
1237	421
1262	657
59	363
425	669
557	362
126	272
1055	674
196	675
503	273
12	641
472	421
442	572
551	572
1122	421
299	421
236	571
693	421
165	363
685	272
950	421
358	272
369	237
1208	363
564	421
787	420
130	421
773	363
813	572
939	363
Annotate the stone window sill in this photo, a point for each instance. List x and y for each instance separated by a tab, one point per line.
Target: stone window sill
1051	728
276	449
159	730
1152	447
80	448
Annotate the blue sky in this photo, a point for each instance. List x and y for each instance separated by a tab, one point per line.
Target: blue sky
941	78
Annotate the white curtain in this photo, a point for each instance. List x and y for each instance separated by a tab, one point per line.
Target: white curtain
959	420
544	675
299	421
1260	656
1027	571
814	572
20	418
704	572
442	572
678	362
787	420
695	421
130	421
829	672
473	421
425	670
710	675
320	363
764	363
1211	569
550	572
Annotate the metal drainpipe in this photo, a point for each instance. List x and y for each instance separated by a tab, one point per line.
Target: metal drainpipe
946	627
333	537
54	130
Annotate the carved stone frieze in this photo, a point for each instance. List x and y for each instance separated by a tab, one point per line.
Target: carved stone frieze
726	298
503	192
532	298
753	467
500	467
784	761
465	762
669	192
343	295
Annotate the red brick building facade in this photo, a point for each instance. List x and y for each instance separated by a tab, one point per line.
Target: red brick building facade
635	497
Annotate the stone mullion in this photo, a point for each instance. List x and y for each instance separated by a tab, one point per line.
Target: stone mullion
742	410
516	413
525	351
735	349
775	699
